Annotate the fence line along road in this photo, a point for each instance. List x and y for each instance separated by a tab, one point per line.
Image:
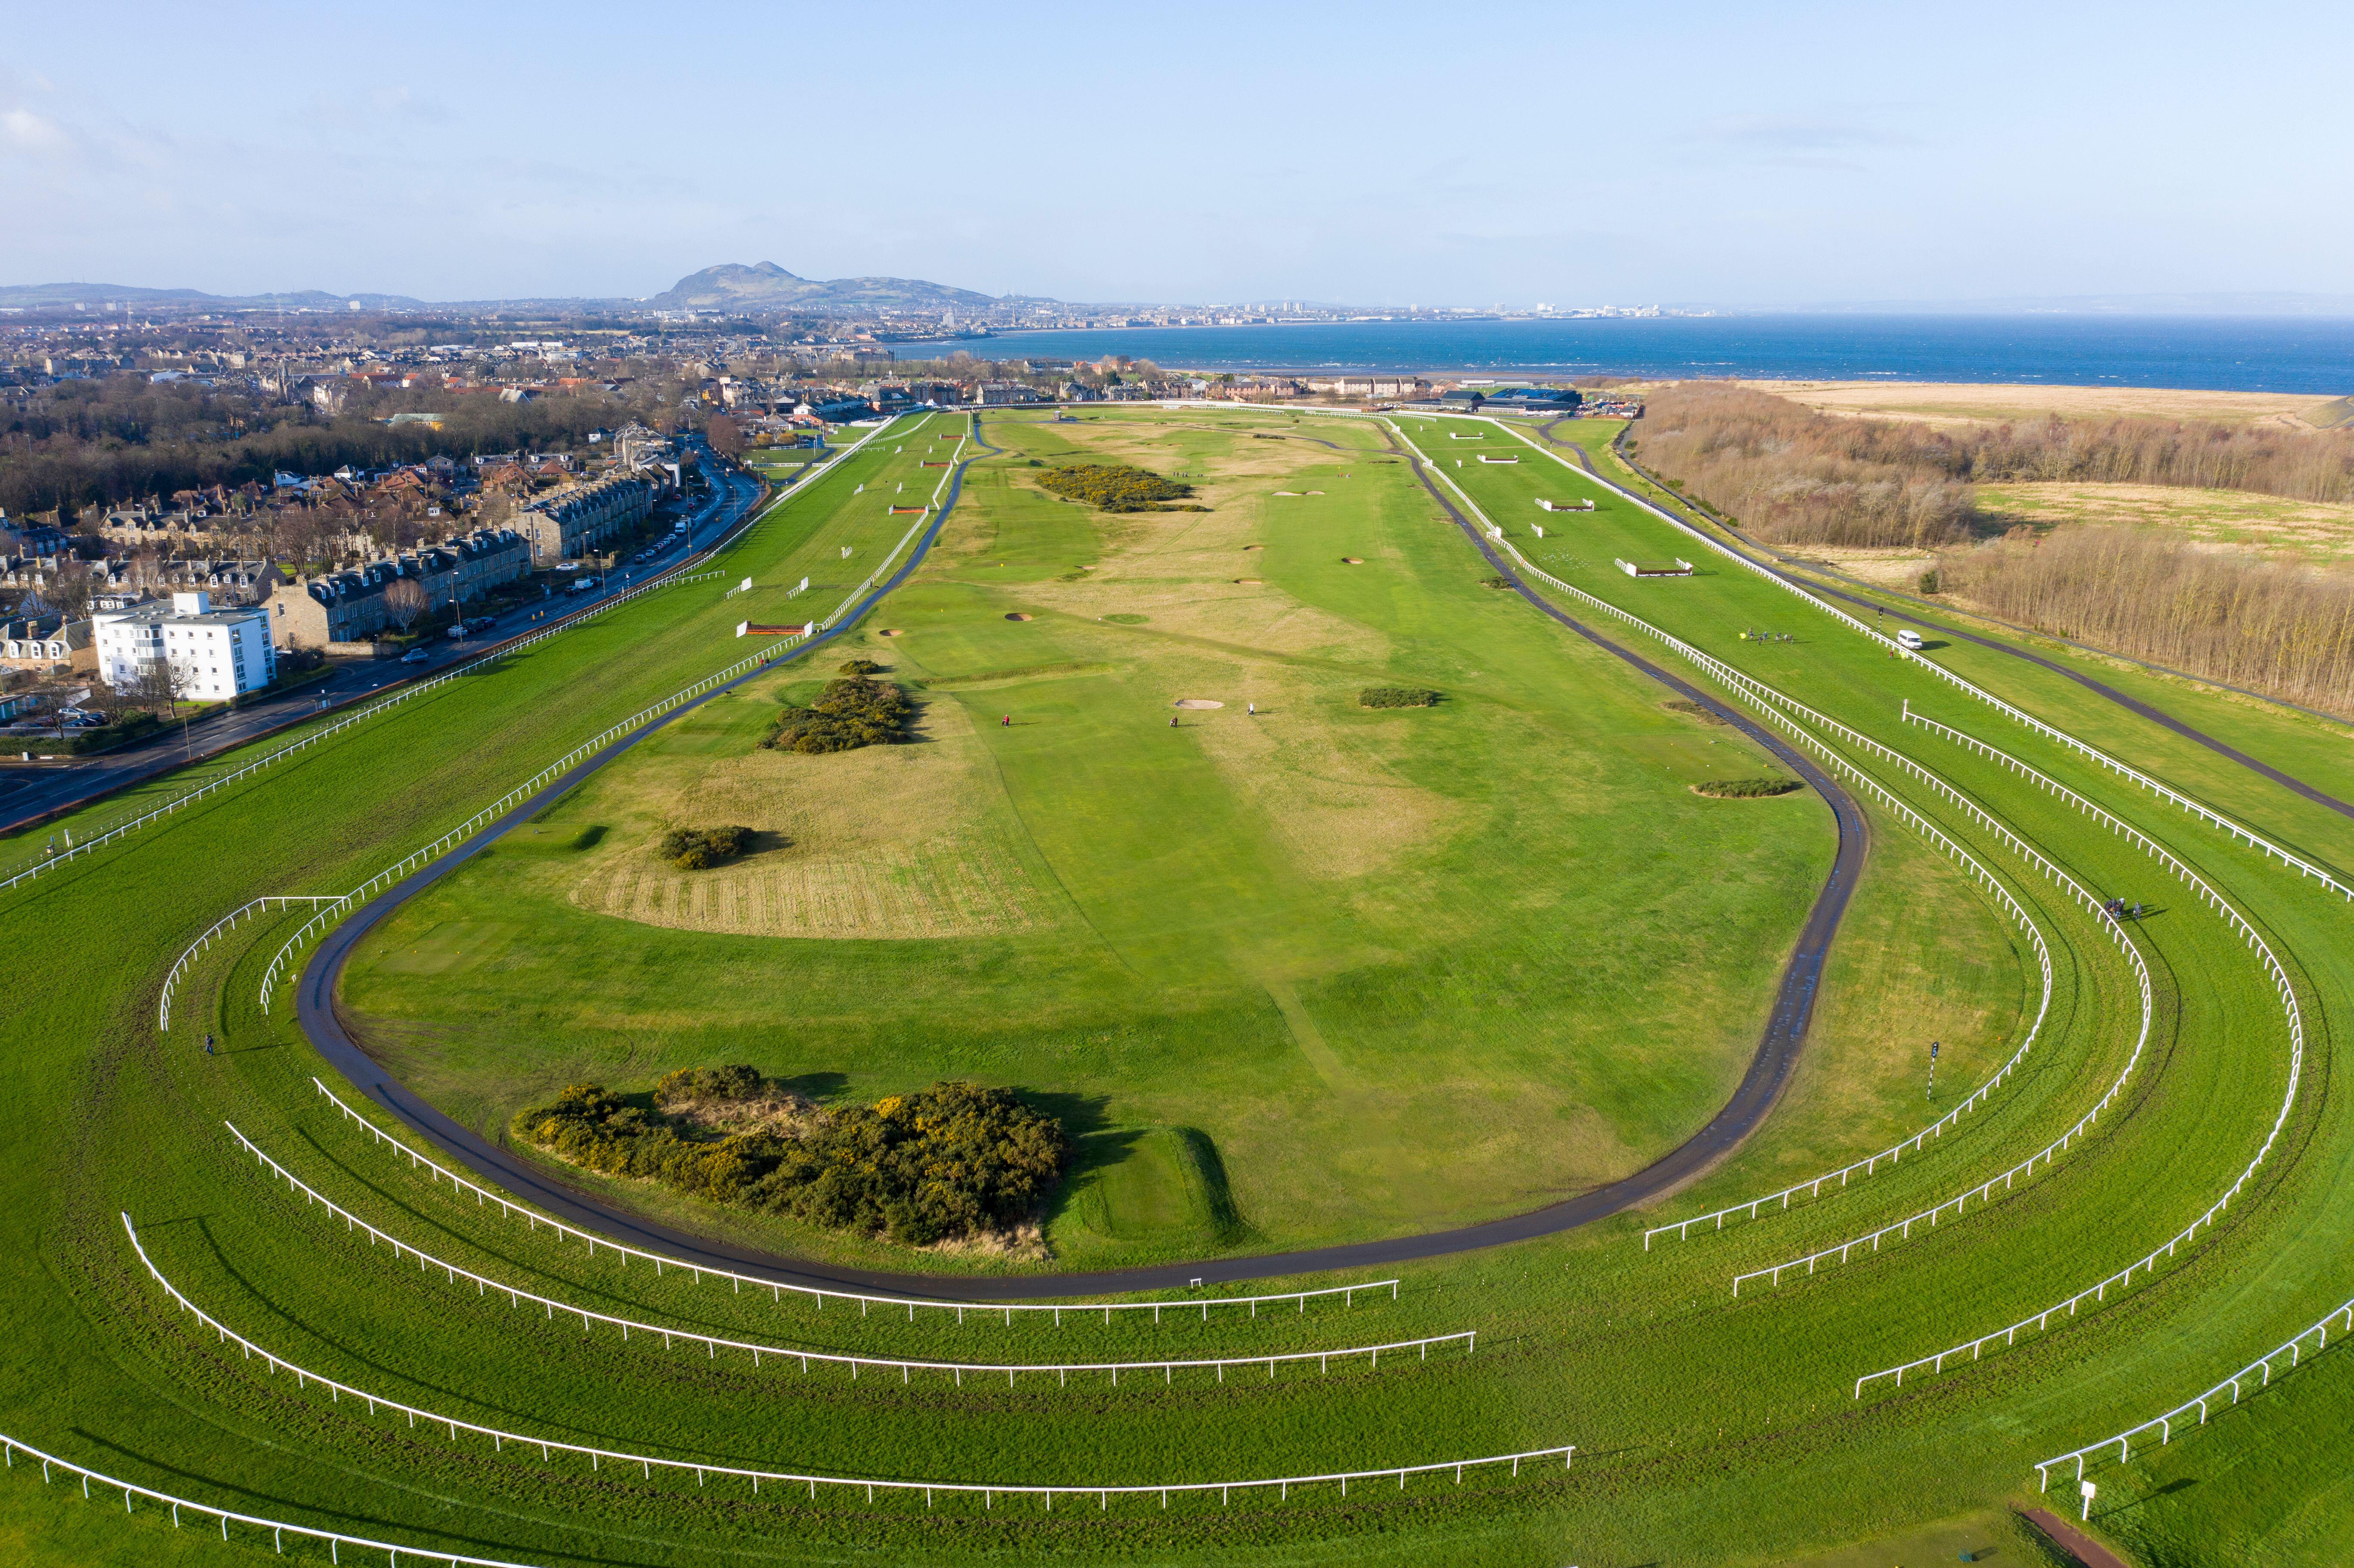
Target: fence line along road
712	1344
472	667
279	1529
1771	705
508	1208
2259	1371
2199	809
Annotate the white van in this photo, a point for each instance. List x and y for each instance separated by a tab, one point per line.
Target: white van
1908	638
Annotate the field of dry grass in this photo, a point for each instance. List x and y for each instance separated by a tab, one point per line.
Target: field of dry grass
2316	532
1956	404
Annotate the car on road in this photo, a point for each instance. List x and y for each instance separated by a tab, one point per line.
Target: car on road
1909	637
415	656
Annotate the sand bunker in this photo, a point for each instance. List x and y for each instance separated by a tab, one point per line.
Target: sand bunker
1250	582
1353	561
1016	615
1196	702
893	631
1249	547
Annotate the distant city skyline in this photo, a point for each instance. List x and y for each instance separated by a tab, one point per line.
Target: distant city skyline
1376	156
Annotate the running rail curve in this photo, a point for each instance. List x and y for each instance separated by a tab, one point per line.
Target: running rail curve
712	1344
533	1219
906	1369
2286	993
550	1446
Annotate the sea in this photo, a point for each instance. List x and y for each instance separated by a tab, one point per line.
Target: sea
2242	353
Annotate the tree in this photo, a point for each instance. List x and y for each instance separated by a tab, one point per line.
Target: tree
726	438
405	602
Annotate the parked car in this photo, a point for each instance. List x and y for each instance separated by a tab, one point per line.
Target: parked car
415	656
1909	637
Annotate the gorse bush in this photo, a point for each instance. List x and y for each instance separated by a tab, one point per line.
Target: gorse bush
699	848
951	1161
859	667
1397	697
850	713
1114	487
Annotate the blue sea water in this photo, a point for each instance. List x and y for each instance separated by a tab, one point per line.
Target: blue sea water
2297	354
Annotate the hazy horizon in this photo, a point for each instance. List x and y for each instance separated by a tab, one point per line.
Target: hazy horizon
1831	156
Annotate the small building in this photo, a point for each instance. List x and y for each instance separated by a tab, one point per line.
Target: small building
47	645
211	655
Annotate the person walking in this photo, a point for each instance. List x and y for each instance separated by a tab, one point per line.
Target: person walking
1250	708
208	1045
1007	722
1172	721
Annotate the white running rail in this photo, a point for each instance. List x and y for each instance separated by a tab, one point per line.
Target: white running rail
2259	1371
770	654
550	1446
2196	808
279	1529
2286	993
194	949
484	1196
906	1369
516	1296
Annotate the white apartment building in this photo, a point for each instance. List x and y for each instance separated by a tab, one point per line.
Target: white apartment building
217	653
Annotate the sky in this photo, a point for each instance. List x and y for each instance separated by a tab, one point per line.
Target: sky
1569	155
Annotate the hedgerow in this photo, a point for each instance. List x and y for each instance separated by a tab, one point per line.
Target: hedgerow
947	1161
850	713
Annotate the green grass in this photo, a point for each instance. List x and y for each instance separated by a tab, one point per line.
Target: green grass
1334	942
1709	1431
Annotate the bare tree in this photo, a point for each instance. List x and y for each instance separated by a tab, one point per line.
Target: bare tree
726	438
405	602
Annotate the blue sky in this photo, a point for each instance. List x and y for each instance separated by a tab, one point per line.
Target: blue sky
1569	155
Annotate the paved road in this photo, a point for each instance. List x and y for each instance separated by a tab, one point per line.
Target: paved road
1768	1072
31	791
1766	559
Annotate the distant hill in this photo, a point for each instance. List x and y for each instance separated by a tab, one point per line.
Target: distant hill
65	296
768	287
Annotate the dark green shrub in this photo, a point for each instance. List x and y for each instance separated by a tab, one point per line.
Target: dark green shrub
850	713
944	1161
700	849
1746	788
1930	582
1397	697
1114	487
859	667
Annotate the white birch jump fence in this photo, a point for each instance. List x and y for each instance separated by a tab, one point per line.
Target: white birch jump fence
570	621
485	1197
2258	1371
516	1296
279	1529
